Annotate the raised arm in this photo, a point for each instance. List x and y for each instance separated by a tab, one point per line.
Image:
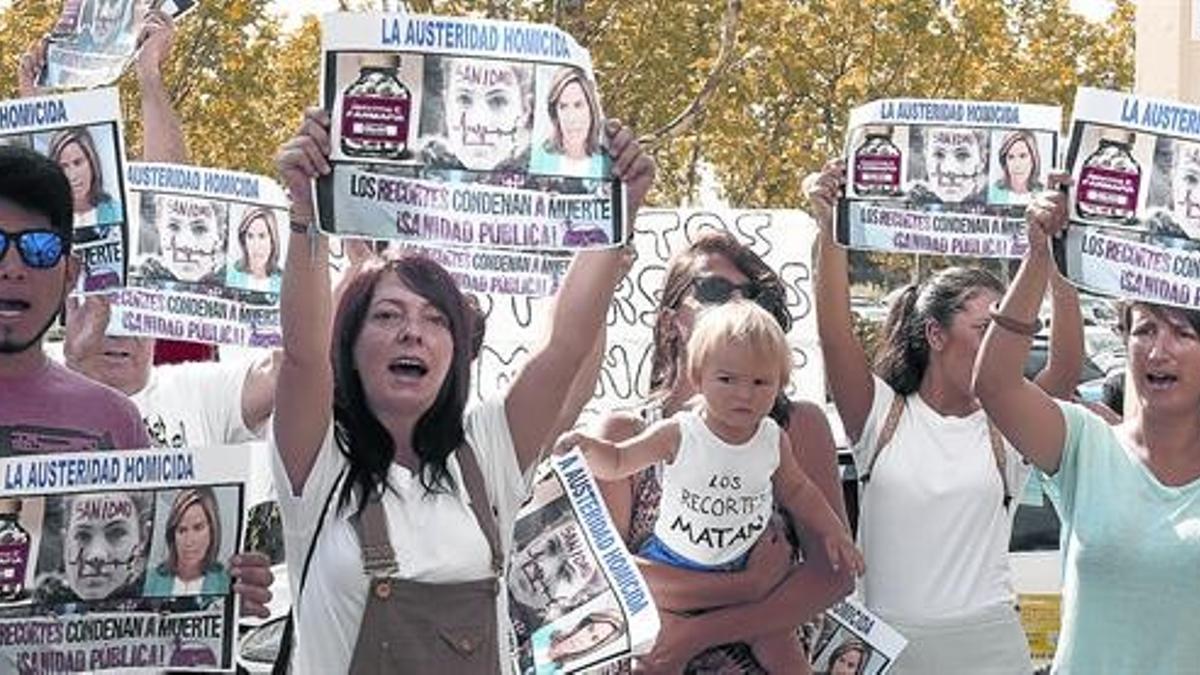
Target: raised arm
610	461
1064	363
846	369
579	312
162	132
1024	413
304	393
258	390
30	68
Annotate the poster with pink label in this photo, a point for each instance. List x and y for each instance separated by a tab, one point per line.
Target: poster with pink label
465	134
945	177
94	575
1135	199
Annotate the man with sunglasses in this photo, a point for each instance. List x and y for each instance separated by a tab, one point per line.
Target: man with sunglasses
45	407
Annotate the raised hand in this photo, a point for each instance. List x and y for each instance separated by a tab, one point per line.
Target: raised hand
823	189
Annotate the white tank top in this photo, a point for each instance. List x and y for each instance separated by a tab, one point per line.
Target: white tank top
716	497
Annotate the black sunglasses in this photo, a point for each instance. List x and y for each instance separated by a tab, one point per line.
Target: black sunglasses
716	290
40	249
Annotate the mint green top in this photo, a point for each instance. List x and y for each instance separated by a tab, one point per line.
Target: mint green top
1131	558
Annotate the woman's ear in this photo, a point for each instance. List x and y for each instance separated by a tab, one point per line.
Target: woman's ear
935	336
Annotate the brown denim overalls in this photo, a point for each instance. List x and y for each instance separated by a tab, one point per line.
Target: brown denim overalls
416	627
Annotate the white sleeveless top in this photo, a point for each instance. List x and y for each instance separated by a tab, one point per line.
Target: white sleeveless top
717	497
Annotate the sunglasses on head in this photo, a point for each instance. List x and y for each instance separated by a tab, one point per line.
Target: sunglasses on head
40	249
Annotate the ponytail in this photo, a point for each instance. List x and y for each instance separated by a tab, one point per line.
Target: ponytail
904	352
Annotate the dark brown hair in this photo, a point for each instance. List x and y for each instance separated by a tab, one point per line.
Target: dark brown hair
360	435
682	271
83	138
184	500
1125	315
904	352
558	85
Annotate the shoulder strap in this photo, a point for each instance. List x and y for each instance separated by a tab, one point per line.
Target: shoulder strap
379	558
885	434
997	441
284	656
484	513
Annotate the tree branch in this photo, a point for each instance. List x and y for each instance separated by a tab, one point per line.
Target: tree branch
724	63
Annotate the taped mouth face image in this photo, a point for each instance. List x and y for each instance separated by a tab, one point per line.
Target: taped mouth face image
1185	187
487	113
955	163
190	237
104	548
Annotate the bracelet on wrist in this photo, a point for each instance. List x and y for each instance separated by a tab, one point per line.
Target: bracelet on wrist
1026	328
300	223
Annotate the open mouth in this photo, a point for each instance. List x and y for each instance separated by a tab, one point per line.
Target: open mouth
408	367
1161	380
12	307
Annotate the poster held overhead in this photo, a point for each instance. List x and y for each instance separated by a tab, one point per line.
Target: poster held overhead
944	177
82	133
1135	206
207	261
464	133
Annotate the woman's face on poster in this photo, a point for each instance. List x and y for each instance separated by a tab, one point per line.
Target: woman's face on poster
1019	164
574	119
193	534
487	114
847	664
78	168
955	163
188	236
552	569
1185	187
584	639
258	247
104	548
108	20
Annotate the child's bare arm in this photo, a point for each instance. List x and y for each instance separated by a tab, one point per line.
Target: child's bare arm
796	492
611	461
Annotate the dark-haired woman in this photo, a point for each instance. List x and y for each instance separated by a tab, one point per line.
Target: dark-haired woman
421	492
770	594
1128	494
939	481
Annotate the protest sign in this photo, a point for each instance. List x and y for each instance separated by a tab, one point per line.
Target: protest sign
852	639
468	132
82	133
93	40
207	261
577	599
119	560
1135	206
783	239
944	177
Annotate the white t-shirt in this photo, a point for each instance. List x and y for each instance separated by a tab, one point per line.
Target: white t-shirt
933	528
195	404
435	536
716	496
